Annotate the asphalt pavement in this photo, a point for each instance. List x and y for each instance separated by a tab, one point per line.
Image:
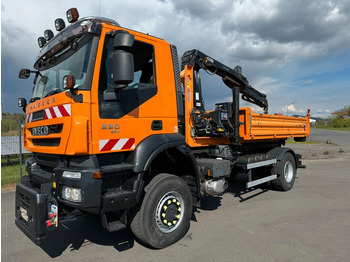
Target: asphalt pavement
334	136
309	223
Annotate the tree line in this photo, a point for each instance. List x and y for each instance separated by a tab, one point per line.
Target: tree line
9	123
341	118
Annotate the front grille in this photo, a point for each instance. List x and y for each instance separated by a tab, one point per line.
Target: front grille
38	115
25	201
47	141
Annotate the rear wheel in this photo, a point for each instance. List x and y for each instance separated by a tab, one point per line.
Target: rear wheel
286	171
164	215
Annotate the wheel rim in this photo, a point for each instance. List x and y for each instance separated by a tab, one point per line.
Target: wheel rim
169	212
288	171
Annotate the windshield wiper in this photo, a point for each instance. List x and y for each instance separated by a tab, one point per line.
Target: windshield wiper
55	91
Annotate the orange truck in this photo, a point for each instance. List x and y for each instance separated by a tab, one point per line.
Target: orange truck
118	130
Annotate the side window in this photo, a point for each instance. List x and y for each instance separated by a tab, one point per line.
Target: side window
139	91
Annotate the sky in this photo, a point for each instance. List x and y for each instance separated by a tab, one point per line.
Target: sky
297	52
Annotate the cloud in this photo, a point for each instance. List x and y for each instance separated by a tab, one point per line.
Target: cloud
289	21
204	10
308	82
281	45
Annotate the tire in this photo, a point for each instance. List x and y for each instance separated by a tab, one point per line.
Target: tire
164	215
286	171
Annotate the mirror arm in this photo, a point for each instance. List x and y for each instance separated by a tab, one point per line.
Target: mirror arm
76	98
36	73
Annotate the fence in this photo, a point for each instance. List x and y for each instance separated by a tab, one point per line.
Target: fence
12	150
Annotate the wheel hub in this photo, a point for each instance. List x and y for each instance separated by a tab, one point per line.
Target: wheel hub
288	171
169	212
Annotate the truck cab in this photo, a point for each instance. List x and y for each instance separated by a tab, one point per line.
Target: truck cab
99	91
59	120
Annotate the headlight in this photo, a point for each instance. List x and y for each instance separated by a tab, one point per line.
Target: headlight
71	194
71	175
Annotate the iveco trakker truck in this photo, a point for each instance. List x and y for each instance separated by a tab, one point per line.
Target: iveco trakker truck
118	128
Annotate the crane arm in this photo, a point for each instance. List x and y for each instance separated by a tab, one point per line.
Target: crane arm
231	77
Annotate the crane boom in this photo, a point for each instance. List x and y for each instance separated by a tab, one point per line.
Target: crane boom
231	77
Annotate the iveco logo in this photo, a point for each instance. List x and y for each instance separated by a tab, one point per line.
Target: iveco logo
40	131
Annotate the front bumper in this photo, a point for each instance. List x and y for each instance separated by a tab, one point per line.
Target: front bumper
34	204
90	187
34	200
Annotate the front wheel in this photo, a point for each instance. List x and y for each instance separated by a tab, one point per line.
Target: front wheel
286	173
164	215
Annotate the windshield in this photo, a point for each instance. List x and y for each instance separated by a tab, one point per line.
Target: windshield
71	60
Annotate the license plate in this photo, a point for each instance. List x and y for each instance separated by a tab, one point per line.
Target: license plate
24	213
54	211
40	131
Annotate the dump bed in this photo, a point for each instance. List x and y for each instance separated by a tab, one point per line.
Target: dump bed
255	126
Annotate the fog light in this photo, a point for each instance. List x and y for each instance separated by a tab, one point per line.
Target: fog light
76	195
41	41
71	194
67	191
59	24
71	175
72	15
48	35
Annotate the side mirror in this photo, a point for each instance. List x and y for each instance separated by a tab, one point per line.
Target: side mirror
123	60
24	73
68	82
22	102
123	40
123	69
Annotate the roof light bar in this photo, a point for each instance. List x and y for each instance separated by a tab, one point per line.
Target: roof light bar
72	15
41	41
59	24
48	34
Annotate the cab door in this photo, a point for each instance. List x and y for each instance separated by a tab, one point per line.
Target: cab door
135	114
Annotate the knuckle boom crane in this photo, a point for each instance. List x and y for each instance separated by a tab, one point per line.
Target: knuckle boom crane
234	79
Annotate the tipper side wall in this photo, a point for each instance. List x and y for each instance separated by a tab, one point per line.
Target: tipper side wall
255	126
